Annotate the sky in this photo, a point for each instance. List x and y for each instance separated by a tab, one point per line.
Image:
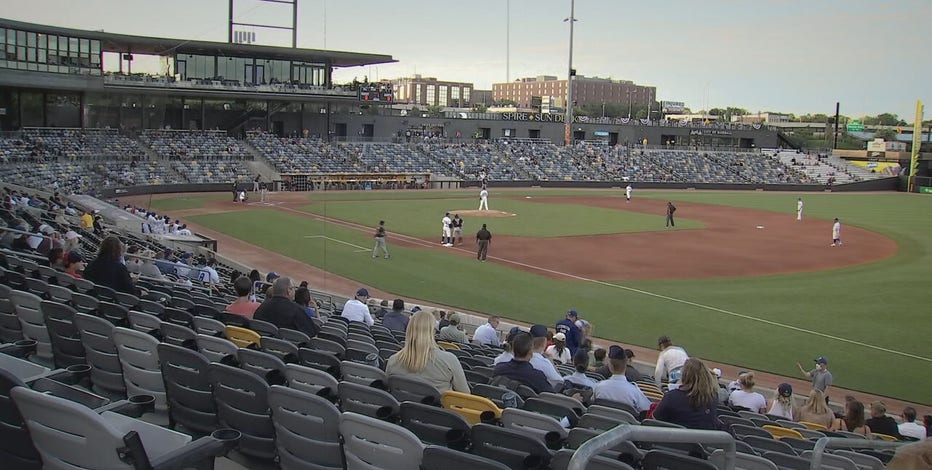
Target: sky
793	56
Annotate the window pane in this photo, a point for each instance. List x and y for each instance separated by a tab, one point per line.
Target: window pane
42	41
2	36
95	47
73	47
63	45
31	39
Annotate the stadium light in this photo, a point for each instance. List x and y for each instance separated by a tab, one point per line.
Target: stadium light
568	124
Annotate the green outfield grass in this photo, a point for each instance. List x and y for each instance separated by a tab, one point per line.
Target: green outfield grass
871	321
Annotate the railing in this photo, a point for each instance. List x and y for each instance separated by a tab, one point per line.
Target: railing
625	432
149	81
846	442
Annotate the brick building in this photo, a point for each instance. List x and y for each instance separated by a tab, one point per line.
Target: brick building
529	92
429	91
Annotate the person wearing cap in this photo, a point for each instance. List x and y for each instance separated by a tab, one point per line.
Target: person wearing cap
568	327
280	310
483	240
820	375
487	333
396	320
453	332
579	379
51	240
617	388
380	241
783	402
558	352
446	238
879	422
539	335
669	362
519	368
356	308
74	264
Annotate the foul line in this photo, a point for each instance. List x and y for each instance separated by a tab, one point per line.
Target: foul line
361	248
420	242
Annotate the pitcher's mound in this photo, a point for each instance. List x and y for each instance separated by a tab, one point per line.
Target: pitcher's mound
475	213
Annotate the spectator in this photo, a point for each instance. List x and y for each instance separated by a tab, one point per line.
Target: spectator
853	421
108	268
356	309
879	422
243	305
487	334
692	404
579	379
783	402
617	387
539	343
558	352
507	355
454	331
815	411
383	309
916	456
669	362
910	428
568	327
74	264
302	297
422	358
820	375
631	372
747	398
396	320
519	367
56	258
599	356
280	310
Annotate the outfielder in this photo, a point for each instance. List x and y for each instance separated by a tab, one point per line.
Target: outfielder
446	239
799	209
836	233
380	240
628	190
484	199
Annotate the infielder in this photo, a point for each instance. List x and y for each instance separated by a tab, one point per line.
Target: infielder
799	209
628	190
484	199
836	233
380	240
242	196
446	239
457	229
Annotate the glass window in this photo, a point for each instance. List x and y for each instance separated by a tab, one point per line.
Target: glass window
20	38
31	54
2	36
85	47
95	47
63	45
31	39
73	47
42	59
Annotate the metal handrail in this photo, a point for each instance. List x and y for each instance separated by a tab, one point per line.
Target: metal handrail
827	442
626	432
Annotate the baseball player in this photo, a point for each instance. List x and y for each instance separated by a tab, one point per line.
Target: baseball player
670	210
457	229
628	190
242	196
484	199
446	239
836	233
799	209
380	240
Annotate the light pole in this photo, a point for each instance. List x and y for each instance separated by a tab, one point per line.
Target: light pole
628	92
568	125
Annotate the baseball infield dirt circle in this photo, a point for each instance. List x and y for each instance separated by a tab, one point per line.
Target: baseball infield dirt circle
475	213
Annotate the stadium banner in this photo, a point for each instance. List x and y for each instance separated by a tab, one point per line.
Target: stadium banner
672	107
925	189
885	168
917	143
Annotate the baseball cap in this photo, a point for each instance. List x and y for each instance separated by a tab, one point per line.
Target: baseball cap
511	333
362	293
74	257
821	360
538	331
572	313
717	372
616	352
414	309
71	235
46	229
559	337
785	390
270	276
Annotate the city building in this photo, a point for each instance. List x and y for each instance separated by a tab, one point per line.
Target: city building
527	92
762	118
429	91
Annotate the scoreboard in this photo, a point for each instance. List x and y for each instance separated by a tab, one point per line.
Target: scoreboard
376	92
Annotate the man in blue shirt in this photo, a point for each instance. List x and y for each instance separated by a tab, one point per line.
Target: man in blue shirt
396	320
617	388
520	369
568	327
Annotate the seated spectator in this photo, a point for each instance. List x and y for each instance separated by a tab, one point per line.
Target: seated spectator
56	258
453	332
519	367
617	387
558	352
853	421
148	267
692	404
107	269
783	402
910	428
73	264
747	398
506	354
487	333
243	305
879	422
396	320
631	372
355	309
814	410
422	358
539	334
579	379
599	359
302	297
279	310
916	456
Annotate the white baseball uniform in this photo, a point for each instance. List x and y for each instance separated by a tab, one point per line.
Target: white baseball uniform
836	233
446	229
484	199
628	193
799	209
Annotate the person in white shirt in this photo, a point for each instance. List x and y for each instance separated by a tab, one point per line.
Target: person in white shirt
446	238
747	397
783	403
581	364
909	427
799	209
484	199
538	360
356	309
558	352
487	334
628	190
670	362
836	233
617	388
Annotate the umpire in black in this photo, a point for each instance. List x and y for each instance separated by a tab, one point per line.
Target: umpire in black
483	239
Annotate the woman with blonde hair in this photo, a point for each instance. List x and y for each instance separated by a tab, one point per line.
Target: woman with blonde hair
747	398
693	404
815	411
783	402
422	358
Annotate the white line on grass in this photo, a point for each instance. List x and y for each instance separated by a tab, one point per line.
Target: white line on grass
418	241
361	248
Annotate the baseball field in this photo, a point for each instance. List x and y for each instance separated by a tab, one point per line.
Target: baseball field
738	280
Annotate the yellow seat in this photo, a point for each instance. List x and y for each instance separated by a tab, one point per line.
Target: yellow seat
648	388
885	437
814	426
779	432
658	396
447	345
470	407
242	337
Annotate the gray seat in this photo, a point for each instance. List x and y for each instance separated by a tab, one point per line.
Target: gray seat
10	328
769	444
101	354
310	380
863	461
787	461
742	461
143	322
243	404
84	303
512	448
60	294
362	373
437	457
16	449
434	425
307	430
561	461
322	360
661	459
215	349
811	433
740	431
545	428
190	400
371	444
833	460
177	334
65	338
284	350
411	388
260	363
208	326
295	337
32	323
368	401
599	422
139	357
626	451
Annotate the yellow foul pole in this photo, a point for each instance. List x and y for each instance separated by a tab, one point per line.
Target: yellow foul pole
917	142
